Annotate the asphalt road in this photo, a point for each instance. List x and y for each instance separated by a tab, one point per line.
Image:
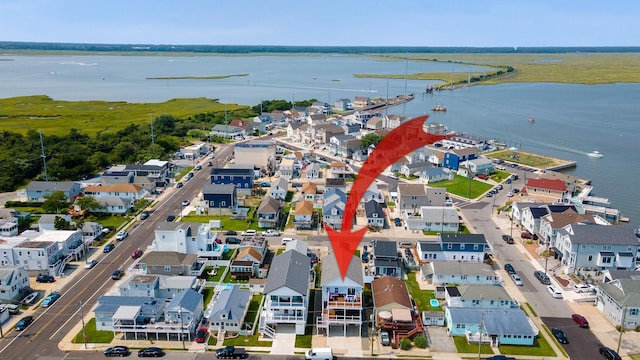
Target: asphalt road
582	343
40	339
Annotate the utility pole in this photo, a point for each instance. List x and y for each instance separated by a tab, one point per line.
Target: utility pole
84	334
624	312
480	335
181	329
153	150
44	158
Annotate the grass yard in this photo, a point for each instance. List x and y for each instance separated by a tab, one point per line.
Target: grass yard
460	186
228	223
525	158
93	336
215	278
421	297
465	348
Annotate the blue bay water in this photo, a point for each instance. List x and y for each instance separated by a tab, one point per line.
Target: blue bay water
571	120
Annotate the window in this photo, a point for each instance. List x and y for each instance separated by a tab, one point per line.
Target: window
167	268
449	246
461	246
583	247
590	257
633	312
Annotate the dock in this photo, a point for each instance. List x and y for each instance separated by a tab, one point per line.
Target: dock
587	204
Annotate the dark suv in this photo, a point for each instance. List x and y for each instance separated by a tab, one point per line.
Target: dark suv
609	354
509	269
542	277
117	351
44	278
508	239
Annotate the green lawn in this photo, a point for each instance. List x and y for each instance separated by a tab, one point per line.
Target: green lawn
465	348
525	158
421	297
215	278
93	336
227	222
461	187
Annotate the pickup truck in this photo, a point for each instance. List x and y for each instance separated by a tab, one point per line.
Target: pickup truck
230	352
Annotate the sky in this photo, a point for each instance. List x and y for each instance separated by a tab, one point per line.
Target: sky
468	23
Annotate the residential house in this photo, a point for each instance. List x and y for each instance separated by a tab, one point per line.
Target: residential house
279	189
340	170
139	309
14	283
187	238
343	105
479	165
247	264
597	247
434	218
547	190
332	184
186	309
322	132
434	175
295	131
156	169
361	101
48	221
479	296
333	207
342	302
269	213
372	193
362	117
287	170
457	247
411	197
374	214
194	151
313	171
227	131
462	273
618	301
230	308
116	198
390	293
531	215
287	293
48	252
491	326
9	226
454	158
309	191
386	259
570	181
160	286
303	215
549	224
171	263
220	196
375	123
393	121
37	191
241	178
91	231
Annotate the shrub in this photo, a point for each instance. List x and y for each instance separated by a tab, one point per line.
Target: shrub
405	344
420	342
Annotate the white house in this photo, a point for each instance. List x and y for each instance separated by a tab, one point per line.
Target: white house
279	188
13	281
434	218
341	298
461	273
230	308
187	238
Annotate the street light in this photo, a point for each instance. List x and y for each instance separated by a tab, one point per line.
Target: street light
84	334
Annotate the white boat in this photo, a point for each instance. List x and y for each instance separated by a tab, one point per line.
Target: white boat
594	154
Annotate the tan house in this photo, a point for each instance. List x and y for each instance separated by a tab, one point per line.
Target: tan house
547	190
303	218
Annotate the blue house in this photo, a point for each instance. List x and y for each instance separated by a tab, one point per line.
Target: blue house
220	196
455	157
240	178
499	326
456	247
37	191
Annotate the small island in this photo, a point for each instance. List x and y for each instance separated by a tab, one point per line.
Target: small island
209	77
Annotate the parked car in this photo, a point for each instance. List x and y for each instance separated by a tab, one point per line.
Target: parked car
198	167
232	240
31	298
136	254
385	340
560	335
542	277
231	232
554	292
405	244
265	184
609	354
50	299
398	221
580	320
509	269
516	279
108	248
179	184
117	274
501	357
144	215
508	239
201	334
45	278
90	264
151	352
119	350
122	235
170	218
23	323
482	176
249	232
580	288
186	202
271	232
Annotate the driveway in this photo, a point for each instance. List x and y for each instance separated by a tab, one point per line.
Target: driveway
439	340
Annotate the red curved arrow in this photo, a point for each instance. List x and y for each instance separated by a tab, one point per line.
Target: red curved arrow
401	141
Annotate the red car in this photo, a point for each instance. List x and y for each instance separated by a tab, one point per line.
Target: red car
525	235
580	320
136	254
201	335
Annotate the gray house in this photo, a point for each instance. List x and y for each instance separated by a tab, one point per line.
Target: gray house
386	259
171	263
269	213
374	214
185	309
38	190
230	309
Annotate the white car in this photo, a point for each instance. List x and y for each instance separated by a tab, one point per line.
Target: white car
31	298
516	279
90	264
185	202
249	233
580	288
122	235
554	292
271	232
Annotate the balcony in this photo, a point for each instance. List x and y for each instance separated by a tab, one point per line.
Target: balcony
345	301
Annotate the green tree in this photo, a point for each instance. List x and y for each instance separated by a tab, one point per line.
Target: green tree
420	342
55	202
59	223
370	139
88	203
